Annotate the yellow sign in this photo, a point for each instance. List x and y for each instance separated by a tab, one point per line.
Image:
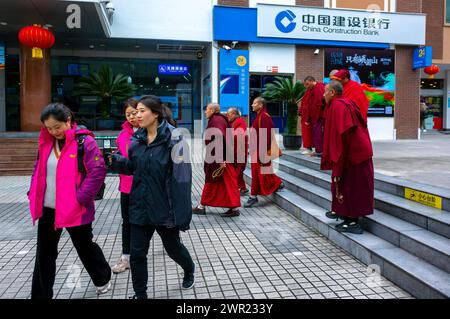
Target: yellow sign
423	198
241	60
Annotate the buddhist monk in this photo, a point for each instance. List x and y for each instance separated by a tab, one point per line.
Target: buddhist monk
220	189
315	105
264	181
306	127
353	91
348	154
240	139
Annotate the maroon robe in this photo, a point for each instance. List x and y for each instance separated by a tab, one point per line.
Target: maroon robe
263	182
220	191
315	105
240	130
355	92
348	153
306	127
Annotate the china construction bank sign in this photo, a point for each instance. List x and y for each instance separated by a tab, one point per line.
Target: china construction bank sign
297	22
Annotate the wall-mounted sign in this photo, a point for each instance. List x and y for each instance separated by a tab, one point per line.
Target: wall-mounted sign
2	55
234	80
272	69
298	22
373	69
422	57
173	69
423	198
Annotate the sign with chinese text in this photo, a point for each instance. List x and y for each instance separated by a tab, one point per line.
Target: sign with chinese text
298	22
2	55
422	57
234	80
374	70
173	69
423	198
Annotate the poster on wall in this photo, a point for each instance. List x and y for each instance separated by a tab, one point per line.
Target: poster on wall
2	55
373	69
234	80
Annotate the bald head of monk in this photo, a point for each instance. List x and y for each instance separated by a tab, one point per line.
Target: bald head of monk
211	109
333	90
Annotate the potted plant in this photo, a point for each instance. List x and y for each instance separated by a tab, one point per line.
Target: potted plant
285	90
107	86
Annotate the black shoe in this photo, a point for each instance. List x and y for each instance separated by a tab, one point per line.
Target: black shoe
349	227
231	213
280	187
244	191
250	202
332	215
188	280
139	297
199	211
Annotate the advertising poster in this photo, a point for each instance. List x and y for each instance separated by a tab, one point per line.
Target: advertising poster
2	55
234	80
373	69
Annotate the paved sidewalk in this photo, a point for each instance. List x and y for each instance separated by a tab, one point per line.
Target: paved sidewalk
264	253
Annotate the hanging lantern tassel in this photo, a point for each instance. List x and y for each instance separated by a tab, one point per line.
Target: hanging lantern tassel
36	53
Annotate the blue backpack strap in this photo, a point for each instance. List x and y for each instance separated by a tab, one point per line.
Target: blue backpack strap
80	153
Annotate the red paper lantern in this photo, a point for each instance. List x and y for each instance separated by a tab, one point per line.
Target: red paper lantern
37	38
431	70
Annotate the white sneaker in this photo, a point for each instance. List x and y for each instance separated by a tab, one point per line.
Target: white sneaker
122	265
104	289
306	152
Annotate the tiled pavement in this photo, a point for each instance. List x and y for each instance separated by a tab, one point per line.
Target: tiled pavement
264	253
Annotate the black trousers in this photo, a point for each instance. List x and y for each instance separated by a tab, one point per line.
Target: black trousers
126	236
47	251
140	243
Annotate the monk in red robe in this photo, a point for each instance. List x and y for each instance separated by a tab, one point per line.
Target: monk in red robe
305	125
264	181
353	91
221	189
315	105
240	139
348	154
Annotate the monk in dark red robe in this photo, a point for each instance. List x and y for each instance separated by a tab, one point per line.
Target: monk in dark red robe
264	181
353	91
303	112
348	154
221	189
315	105
240	139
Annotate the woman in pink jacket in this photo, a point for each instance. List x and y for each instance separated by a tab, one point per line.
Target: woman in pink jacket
62	197
123	143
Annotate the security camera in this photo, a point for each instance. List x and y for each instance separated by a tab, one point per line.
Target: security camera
316	52
226	47
110	8
233	44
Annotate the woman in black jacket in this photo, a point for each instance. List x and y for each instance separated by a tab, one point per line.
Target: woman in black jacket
153	205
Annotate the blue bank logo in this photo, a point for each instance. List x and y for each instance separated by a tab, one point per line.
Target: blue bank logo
284	21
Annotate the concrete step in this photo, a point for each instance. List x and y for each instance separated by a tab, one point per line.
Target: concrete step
432	219
16	172
423	243
411	273
392	185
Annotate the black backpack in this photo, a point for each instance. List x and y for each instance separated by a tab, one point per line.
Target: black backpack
82	169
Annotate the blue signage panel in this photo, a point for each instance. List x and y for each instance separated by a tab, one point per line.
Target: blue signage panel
173	69
2	55
422	57
234	80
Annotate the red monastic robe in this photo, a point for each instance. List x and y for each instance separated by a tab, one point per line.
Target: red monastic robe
263	182
354	91
315	111
348	153
220	191
306	128
240	150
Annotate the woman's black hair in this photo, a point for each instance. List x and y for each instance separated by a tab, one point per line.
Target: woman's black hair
168	115
58	111
130	102
153	103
